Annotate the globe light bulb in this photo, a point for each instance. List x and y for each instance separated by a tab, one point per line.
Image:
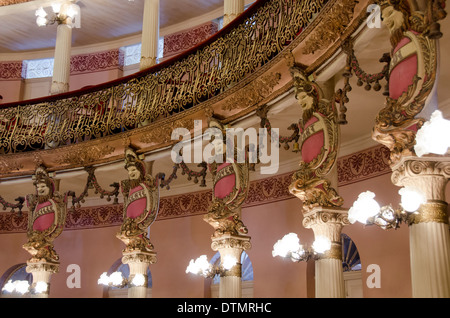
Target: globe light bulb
41	21
289	244
363	208
138	280
40	12
21	286
72	11
9	286
199	266
228	262
411	199
103	280
56	7
116	278
321	244
433	136
41	287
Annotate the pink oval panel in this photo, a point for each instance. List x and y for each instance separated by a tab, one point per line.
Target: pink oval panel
312	146
44	222
138	206
225	185
401	77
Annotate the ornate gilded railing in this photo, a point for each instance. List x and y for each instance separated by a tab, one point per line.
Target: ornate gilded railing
167	88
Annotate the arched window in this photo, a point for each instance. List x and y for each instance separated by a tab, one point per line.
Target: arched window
351	265
117	292
350	255
15	273
247	276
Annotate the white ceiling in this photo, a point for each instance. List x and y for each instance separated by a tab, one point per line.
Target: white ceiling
101	21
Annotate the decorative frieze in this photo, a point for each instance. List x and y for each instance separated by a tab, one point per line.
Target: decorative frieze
11	70
363	165
94	62
181	41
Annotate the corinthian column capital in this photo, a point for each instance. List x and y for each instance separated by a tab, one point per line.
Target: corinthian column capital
428	175
327	222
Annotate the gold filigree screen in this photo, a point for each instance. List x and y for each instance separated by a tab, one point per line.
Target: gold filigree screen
212	68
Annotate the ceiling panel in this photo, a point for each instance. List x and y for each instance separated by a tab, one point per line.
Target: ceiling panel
101	21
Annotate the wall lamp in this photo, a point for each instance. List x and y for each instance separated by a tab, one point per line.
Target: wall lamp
289	247
65	12
116	279
202	267
23	287
367	211
433	136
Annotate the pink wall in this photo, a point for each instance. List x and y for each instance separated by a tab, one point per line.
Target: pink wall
388	249
268	223
78	81
178	240
10	90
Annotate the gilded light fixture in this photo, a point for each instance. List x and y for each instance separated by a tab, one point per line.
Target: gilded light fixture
289	247
64	12
202	267
23	287
367	211
116	279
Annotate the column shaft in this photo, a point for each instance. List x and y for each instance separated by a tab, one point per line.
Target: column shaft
41	272
430	260
329	278
231	281
328	222
61	67
150	34
429	231
138	261
138	268
232	8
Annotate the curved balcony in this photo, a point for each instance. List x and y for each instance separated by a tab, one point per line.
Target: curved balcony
216	78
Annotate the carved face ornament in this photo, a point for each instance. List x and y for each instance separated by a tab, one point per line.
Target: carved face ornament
133	173
42	189
305	100
392	18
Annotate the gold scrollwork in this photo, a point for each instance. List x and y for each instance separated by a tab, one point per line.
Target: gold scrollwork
158	94
397	123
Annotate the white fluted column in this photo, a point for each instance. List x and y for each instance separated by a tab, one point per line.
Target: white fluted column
138	262
61	67
231	281
328	222
429	232
232	8
41	272
150	34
